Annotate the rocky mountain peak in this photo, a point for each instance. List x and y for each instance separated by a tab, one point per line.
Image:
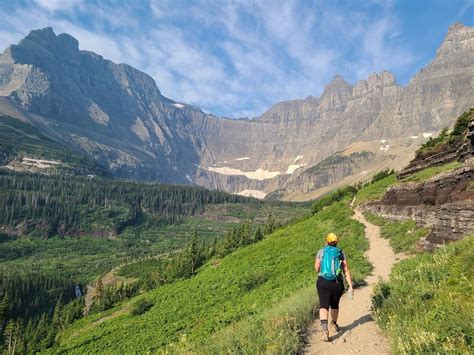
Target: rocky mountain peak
458	39
336	95
43	45
384	78
338	84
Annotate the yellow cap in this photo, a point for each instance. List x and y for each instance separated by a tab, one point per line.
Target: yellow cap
331	238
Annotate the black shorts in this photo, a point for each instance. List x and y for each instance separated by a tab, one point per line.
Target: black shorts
329	292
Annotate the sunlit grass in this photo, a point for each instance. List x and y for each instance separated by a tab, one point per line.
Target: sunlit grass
428	173
427	307
402	236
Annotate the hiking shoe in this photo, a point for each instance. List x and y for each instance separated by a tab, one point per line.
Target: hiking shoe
333	327
324	336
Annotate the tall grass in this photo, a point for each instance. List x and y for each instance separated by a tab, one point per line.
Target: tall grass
278	330
427	307
374	191
428	173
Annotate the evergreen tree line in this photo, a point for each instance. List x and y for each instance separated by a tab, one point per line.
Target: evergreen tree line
68	205
30	294
20	336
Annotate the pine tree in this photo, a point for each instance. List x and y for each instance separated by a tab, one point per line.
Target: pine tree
270	225
258	235
58	314
4	311
245	236
12	335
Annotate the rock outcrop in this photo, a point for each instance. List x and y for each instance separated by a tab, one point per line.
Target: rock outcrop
445	203
460	149
118	115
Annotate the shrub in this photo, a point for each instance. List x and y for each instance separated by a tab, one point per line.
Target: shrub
141	306
253	280
382	175
335	196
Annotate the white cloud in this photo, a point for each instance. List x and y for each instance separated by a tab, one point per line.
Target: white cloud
236	58
57	5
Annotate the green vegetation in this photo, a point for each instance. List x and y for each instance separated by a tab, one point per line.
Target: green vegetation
336	196
427	305
267	283
461	126
435	144
402	236
382	175
428	173
374	191
65	231
140	307
19	139
337	159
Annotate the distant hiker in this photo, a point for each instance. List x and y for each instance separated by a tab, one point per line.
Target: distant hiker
329	264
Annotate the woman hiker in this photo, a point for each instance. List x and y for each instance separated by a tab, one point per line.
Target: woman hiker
329	264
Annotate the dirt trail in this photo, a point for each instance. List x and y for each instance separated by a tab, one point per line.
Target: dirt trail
359	333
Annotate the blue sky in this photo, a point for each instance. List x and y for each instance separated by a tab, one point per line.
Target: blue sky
237	58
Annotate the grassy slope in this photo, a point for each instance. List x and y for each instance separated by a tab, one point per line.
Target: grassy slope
428	173
427	307
402	236
245	285
375	191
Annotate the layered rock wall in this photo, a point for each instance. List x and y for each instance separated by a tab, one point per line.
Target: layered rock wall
445	203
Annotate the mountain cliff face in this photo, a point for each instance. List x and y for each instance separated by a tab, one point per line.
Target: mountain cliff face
113	111
118	115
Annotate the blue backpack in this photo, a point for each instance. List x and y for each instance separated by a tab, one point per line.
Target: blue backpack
331	263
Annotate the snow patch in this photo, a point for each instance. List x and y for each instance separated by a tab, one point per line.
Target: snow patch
365	172
292	168
243	158
383	141
258	174
384	148
178	105
189	178
413	137
299	157
427	134
252	193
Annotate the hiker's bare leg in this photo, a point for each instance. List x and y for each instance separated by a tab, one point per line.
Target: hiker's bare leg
323	314
334	314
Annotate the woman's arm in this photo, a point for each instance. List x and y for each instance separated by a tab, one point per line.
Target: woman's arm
317	265
347	272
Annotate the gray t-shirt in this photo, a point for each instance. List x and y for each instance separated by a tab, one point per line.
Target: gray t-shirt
319	254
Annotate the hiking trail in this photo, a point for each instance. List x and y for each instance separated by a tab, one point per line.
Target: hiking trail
358	331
